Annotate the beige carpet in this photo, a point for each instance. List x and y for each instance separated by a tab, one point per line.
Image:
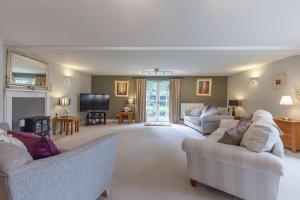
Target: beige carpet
151	166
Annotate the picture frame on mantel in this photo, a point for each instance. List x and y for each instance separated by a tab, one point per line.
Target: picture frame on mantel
279	81
121	88
204	87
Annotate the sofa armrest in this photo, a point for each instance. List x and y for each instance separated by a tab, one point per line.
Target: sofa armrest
186	112
86	171
234	155
215	118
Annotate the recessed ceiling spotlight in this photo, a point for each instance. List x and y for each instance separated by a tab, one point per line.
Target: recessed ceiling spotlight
157	72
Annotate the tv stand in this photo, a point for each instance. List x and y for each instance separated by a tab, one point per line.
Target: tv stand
96	118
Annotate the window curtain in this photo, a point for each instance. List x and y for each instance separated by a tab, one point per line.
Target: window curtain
140	108
174	100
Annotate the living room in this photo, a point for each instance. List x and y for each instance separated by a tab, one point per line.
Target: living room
149	100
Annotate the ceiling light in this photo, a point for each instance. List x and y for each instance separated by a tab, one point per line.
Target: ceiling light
157	72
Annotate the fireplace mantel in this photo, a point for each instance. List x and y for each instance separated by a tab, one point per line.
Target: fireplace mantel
10	93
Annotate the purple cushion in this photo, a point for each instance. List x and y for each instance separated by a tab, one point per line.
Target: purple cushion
235	135
38	146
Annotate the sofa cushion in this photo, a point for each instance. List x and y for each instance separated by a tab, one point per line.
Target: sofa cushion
12	157
38	146
261	137
222	111
209	110
261	114
196	112
233	136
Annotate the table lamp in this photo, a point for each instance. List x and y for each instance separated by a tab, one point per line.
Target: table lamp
234	103
286	101
65	103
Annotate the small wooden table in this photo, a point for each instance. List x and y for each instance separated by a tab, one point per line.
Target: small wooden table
125	114
291	130
65	123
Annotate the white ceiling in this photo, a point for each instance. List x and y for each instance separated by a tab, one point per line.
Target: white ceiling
121	37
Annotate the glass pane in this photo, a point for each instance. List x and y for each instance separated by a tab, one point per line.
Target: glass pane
163	101
151	102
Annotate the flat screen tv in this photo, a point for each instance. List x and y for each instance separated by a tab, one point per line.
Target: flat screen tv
94	102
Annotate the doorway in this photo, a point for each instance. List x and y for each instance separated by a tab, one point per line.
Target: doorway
157	100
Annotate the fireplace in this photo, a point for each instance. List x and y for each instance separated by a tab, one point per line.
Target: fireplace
25	103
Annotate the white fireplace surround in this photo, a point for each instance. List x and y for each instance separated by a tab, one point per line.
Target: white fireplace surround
10	93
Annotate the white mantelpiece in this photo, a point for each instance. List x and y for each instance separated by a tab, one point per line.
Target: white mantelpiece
10	93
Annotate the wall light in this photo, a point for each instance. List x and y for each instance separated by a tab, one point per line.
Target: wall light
254	80
68	80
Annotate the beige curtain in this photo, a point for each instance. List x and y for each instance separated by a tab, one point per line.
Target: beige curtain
174	100
140	107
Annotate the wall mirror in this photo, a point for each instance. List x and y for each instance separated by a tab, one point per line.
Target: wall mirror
25	71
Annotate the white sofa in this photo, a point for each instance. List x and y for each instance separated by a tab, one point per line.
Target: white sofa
234	169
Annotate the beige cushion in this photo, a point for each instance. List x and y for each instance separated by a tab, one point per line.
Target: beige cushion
196	112
260	137
261	114
12	157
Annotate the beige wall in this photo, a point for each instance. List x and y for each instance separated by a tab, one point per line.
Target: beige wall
262	95
2	78
105	85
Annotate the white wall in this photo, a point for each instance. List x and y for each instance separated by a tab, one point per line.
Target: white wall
262	95
80	82
2	78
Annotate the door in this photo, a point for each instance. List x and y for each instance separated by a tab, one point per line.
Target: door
157	101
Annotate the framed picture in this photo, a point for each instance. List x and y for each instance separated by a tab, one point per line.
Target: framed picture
121	88
279	81
203	86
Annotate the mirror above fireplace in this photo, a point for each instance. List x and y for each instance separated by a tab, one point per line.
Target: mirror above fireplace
26	71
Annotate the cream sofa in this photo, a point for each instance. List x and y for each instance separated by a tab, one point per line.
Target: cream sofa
204	124
234	169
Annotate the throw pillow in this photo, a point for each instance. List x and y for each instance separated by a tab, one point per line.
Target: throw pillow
209	110
222	111
235	135
12	157
196	112
38	146
261	114
261	137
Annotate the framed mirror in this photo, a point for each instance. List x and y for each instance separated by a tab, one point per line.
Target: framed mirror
25	71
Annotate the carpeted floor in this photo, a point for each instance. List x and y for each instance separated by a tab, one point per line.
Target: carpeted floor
151	166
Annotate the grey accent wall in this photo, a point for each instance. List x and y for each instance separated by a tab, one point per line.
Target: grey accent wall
262	95
219	91
105	85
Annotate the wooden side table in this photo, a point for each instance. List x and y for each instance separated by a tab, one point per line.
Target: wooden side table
125	114
66	124
291	130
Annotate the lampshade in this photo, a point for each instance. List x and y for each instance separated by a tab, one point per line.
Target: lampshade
286	100
234	102
64	101
130	100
